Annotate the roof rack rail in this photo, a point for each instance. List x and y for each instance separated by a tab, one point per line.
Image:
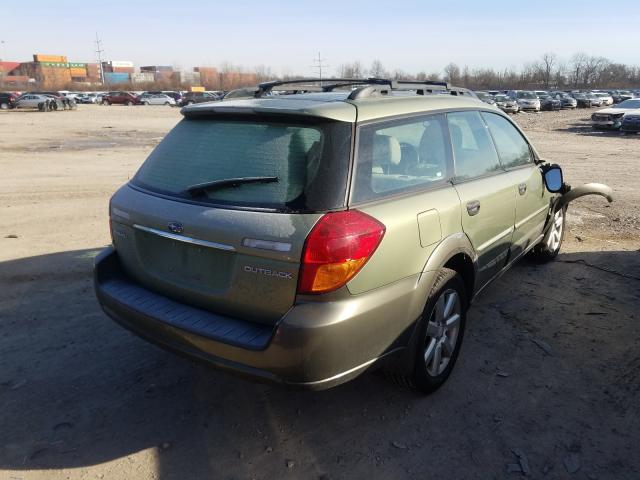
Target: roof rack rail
362	87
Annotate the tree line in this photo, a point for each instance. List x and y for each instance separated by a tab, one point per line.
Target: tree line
581	71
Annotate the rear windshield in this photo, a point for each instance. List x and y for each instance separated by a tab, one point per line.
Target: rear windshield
310	160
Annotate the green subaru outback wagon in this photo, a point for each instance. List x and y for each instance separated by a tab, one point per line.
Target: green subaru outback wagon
304	234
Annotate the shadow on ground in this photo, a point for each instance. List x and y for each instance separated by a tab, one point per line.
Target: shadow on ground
550	369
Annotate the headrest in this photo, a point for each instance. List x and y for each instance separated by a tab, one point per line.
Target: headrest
386	150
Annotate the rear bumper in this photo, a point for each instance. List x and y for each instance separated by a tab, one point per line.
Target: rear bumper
316	345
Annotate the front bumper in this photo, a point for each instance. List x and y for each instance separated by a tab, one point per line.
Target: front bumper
606	124
316	345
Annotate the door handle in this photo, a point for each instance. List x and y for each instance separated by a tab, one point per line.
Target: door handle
522	188
473	207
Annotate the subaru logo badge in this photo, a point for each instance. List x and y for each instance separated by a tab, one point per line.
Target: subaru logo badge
175	227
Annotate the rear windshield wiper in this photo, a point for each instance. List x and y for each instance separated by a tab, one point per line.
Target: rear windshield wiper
200	188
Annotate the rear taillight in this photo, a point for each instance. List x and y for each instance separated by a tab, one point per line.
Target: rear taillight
336	249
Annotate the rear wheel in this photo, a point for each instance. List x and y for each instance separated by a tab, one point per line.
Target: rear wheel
550	245
145	103
441	332
167	103
129	103
105	102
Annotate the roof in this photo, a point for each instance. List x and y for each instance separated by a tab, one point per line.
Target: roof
336	105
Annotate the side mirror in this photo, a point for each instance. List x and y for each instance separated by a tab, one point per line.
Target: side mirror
552	175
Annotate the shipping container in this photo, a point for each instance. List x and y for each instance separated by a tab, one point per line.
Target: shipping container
128	70
121	63
143	77
78	72
115	78
38	57
53	64
156	68
77	65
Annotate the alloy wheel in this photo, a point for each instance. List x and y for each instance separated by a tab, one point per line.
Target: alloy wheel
442	332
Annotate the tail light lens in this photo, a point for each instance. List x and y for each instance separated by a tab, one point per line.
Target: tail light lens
336	249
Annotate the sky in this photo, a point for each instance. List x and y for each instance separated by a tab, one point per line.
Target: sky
286	36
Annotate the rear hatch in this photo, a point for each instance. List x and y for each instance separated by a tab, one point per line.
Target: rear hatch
231	246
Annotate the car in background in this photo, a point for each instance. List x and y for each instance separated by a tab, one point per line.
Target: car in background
32	100
621	95
566	100
527	100
596	101
486	98
583	100
548	102
120	98
156	99
7	100
606	98
177	96
631	123
506	103
198	97
611	118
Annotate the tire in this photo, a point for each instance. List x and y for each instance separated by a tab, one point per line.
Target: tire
129	103
4	106
105	102
441	331
550	245
167	103
145	103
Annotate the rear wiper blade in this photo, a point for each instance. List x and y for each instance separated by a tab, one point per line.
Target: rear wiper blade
200	188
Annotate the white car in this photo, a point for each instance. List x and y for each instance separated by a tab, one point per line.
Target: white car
611	118
606	98
31	100
156	99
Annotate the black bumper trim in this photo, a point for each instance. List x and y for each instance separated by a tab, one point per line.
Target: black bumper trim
123	296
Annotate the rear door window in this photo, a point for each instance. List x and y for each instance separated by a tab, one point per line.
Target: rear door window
473	150
310	161
513	149
401	155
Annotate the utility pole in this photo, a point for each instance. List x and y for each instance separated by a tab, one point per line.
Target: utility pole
318	64
99	52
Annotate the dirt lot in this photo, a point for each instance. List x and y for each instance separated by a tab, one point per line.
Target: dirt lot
548	381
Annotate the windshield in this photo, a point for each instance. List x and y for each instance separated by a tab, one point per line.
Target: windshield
635	103
309	159
502	98
483	95
529	95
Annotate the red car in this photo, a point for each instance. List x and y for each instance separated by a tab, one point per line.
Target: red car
7	100
120	98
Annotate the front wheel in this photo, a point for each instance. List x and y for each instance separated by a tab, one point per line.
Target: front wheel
129	103
551	243
145	103
167	103
441	332
4	106
105	102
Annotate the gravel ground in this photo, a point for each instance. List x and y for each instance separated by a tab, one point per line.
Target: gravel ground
547	384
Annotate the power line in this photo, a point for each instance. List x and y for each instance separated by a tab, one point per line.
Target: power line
318	64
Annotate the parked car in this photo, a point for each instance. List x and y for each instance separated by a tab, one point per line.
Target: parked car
198	97
32	100
631	122
120	98
486	97
527	100
611	118
7	100
621	95
244	240
566	100
548	102
583	100
156	99
606	98
506	104
177	96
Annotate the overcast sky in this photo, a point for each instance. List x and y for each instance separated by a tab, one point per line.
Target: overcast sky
286	35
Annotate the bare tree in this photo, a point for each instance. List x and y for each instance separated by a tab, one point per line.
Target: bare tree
452	73
377	70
